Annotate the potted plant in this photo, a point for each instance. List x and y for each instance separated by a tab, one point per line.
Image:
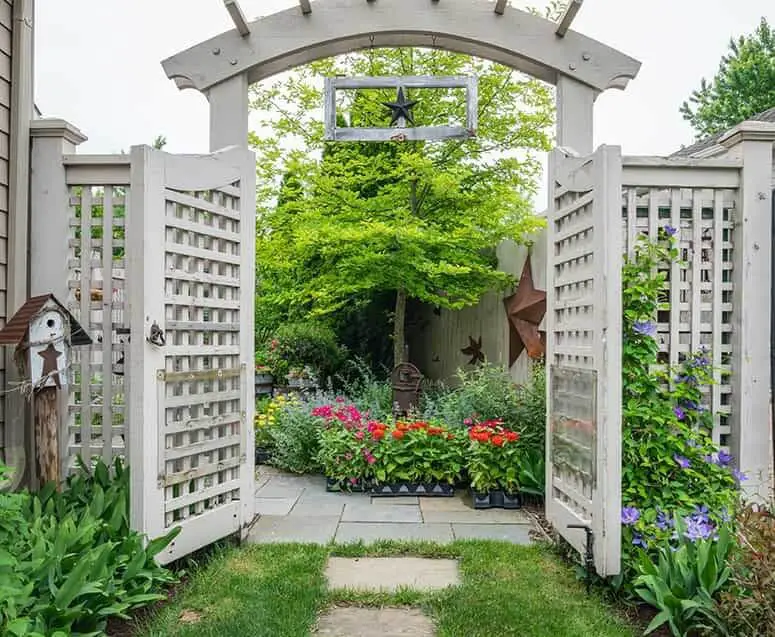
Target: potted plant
265	420
415	458
345	453
493	463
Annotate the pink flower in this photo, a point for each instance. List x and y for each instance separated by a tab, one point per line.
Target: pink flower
467	421
339	399
324	411
359	434
370	459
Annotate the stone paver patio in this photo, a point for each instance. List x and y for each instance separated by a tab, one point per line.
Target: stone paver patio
298	509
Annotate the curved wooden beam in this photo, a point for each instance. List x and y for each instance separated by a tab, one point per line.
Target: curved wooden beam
518	39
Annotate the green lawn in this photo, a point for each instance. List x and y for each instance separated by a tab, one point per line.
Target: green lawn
277	591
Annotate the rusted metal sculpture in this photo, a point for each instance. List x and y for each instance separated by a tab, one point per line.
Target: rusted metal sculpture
474	350
525	310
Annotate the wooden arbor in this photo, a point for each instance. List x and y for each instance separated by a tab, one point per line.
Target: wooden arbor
580	219
223	67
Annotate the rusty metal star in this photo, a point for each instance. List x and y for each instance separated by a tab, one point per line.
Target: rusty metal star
474	350
50	366
525	310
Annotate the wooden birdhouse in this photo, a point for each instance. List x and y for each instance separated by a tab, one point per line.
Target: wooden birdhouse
43	330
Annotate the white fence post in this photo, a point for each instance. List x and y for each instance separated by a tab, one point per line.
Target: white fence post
753	142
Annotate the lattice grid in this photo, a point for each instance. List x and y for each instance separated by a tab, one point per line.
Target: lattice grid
696	309
96	277
201	408
572	336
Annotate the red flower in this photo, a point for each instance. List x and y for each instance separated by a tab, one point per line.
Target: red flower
397	434
434	431
378	434
498	440
512	436
450	436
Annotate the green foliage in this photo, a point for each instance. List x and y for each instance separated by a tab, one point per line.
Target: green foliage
309	344
493	458
684	581
341	455
417	452
68	560
749	605
488	392
295	436
744	85
366	390
349	221
670	464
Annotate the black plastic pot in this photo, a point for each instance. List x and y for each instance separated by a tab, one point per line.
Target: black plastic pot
496	499
434	489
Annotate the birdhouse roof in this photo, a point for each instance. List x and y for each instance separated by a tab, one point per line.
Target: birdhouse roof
15	331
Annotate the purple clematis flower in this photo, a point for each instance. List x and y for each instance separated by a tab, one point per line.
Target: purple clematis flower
682	461
637	540
663	521
696	529
670	230
723	458
739	475
646	328
679	413
630	515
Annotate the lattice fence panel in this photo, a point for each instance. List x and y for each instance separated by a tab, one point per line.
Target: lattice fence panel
96	276
583	328
203	385
696	309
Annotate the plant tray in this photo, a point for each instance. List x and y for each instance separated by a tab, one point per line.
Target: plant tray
496	500
337	486
436	489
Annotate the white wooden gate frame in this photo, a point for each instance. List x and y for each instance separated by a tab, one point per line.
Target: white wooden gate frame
584	322
186	261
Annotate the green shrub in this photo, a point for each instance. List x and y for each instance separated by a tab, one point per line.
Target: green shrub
295	436
367	391
310	344
68	560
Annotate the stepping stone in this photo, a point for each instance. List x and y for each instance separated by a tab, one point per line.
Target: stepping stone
272	490
514	533
274	506
471	516
365	512
349	532
273	529
391	573
310	508
374	622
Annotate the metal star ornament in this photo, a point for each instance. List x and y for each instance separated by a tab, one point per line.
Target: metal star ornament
401	108
474	350
50	365
525	310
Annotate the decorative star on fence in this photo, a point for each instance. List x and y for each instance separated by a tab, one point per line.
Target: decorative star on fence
401	108
474	350
525	310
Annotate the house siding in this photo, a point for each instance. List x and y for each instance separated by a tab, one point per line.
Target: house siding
6	37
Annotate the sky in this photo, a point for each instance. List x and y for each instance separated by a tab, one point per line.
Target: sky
98	65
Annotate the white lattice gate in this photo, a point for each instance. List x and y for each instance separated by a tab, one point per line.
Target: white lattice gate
191	293
584	352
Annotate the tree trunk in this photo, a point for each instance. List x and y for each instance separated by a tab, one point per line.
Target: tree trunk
399	334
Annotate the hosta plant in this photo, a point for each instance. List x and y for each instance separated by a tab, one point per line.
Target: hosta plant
493	457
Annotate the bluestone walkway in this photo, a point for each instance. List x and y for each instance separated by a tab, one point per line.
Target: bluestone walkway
295	508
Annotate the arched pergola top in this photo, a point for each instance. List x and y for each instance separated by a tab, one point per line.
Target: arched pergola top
290	38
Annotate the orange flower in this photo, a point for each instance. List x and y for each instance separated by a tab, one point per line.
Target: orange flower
378	434
498	440
512	436
397	434
434	431
402	426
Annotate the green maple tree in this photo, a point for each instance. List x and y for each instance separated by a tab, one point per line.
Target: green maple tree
340	222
